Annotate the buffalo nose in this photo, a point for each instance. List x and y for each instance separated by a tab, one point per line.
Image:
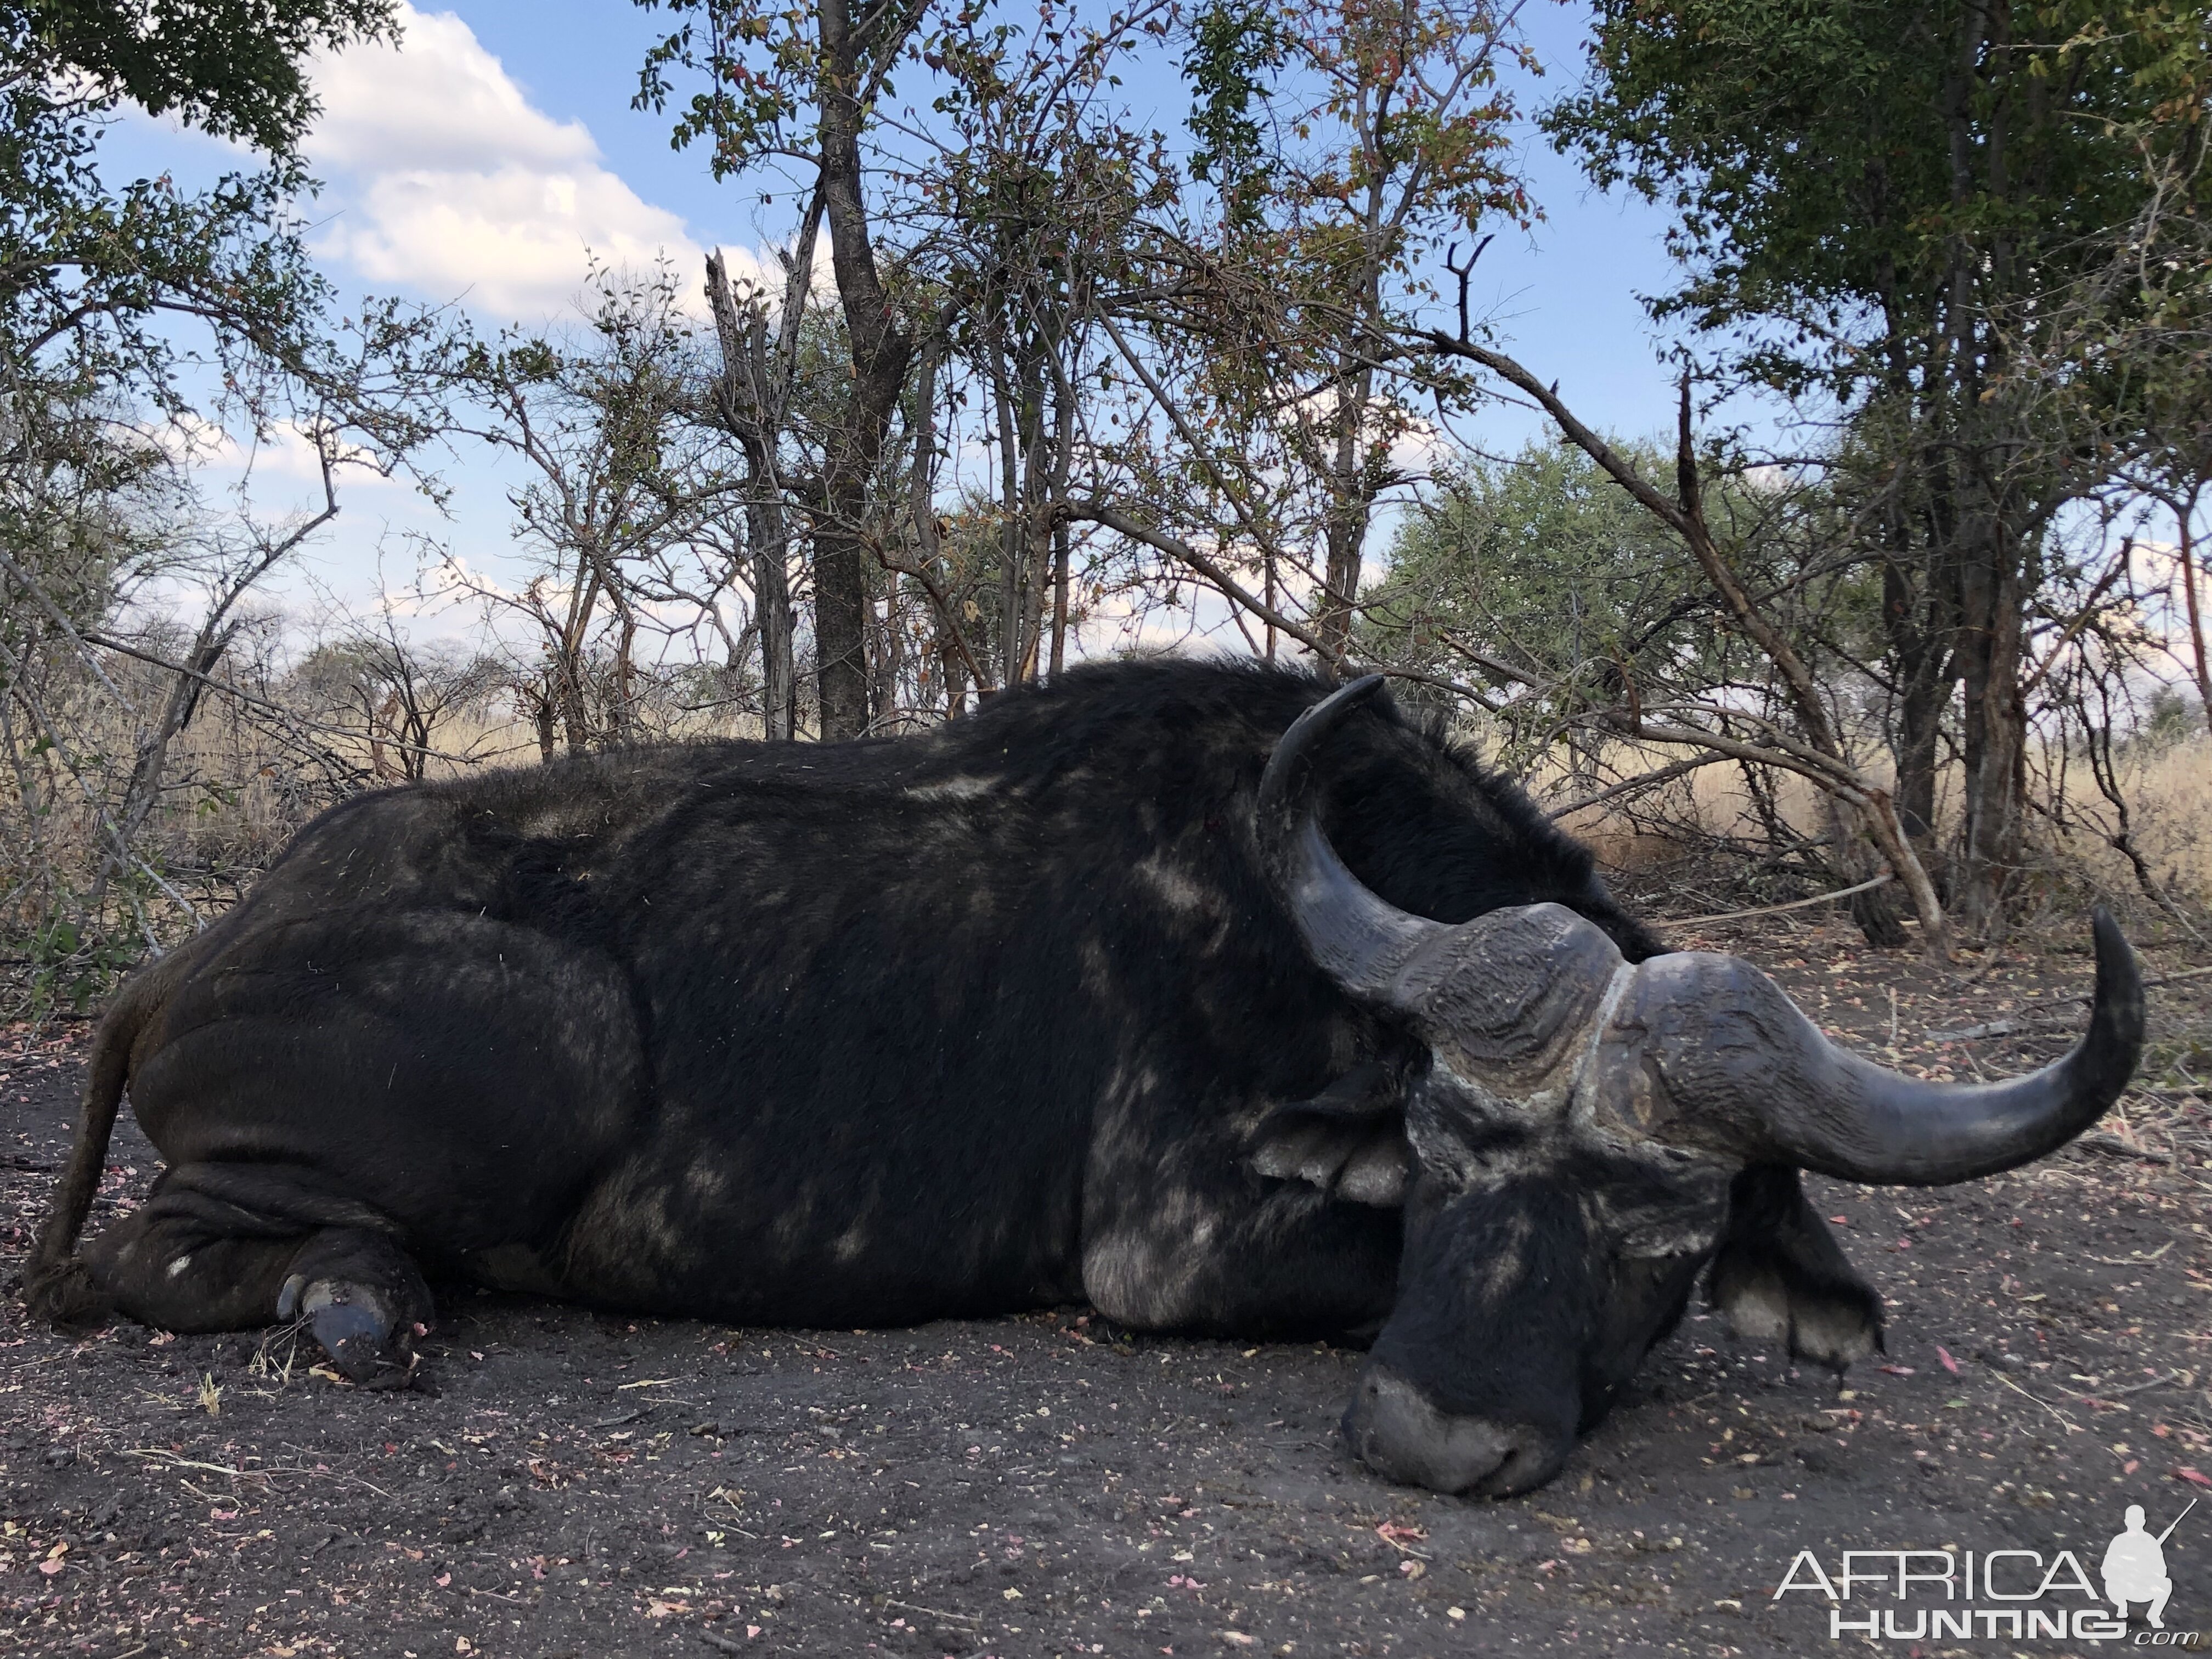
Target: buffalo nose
1399	1433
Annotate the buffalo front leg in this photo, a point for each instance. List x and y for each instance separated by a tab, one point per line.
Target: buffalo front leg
1258	1221
1780	1277
1285	1263
225	1249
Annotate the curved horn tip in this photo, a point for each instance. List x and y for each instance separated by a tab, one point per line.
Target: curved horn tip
2119	978
1277	784
2114	953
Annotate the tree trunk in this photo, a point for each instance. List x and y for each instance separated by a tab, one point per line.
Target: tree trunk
2184	511
541	718
1858	859
751	397
772	606
879	354
1345	528
890	653
1994	738
1059	595
1918	650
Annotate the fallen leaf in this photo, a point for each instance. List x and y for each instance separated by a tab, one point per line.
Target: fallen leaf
1944	1354
1898	1370
2193	1477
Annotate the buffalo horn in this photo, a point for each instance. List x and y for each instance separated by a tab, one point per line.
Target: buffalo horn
1733	1048
1743	1064
1359	941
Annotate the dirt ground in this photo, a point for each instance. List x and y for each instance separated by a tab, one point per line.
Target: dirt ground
589	1486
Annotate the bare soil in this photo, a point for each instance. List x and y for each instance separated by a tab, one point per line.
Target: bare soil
590	1485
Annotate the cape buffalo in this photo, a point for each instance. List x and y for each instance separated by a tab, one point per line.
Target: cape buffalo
1188	988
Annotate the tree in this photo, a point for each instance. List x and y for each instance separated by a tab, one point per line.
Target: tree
752	398
1893	206
1546	562
230	67
617	477
799	85
1037	193
1347	142
138	324
1588	620
398	699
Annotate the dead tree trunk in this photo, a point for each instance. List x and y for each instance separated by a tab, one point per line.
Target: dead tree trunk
753	397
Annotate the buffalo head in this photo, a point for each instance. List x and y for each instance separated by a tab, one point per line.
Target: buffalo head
1570	1140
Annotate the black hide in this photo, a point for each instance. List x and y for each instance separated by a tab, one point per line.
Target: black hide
864	1033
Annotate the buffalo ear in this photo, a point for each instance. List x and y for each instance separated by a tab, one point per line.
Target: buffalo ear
1349	1140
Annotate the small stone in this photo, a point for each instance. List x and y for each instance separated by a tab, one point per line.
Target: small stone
60	1457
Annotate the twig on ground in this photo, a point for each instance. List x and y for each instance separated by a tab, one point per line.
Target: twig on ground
2110	1143
934	1613
1881	880
170	1459
2072	1427
2025	1022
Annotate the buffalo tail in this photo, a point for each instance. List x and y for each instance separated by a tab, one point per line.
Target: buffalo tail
56	1285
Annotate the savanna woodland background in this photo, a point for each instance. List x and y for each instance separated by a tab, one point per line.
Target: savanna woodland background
1901	596
1087	328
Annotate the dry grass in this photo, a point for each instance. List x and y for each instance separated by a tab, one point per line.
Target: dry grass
1693	818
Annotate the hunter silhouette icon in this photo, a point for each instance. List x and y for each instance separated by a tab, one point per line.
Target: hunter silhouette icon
2134	1566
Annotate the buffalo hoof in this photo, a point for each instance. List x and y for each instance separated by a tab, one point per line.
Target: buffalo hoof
364	1338
1837	1323
1396	1431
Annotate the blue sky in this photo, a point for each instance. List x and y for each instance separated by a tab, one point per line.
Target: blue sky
481	160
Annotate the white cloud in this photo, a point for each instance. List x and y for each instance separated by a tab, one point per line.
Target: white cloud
454	186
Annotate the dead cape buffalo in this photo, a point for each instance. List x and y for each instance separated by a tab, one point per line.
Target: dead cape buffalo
1189	989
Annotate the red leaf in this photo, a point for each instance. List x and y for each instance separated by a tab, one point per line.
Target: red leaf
1949	1364
1899	1370
2194	1476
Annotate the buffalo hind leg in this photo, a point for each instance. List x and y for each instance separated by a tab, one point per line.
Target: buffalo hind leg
1780	1277
222	1248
